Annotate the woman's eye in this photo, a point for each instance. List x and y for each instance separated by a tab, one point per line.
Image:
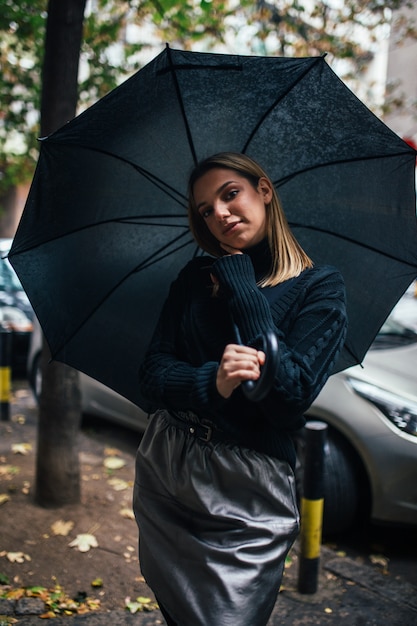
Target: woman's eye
205	213
231	194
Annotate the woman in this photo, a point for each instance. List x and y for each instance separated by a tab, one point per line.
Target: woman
214	496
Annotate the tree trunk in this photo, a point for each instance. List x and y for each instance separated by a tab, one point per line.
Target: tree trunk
57	465
64	31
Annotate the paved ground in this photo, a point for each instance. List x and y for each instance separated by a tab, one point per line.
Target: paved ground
350	592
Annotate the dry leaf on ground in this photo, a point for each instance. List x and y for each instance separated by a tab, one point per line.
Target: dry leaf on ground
118	484
114	462
62	528
127	513
140	604
17	557
21	448
84	542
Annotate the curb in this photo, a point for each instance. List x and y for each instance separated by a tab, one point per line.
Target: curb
347	590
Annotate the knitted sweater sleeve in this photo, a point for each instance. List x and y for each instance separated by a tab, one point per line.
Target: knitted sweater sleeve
166	381
308	345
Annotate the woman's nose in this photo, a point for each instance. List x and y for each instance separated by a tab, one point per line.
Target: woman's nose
221	210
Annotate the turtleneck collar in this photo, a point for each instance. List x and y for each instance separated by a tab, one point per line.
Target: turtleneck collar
261	258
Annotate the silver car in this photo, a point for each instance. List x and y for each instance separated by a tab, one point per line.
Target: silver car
371	455
371	412
96	398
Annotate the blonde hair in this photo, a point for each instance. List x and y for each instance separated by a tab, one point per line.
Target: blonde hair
288	257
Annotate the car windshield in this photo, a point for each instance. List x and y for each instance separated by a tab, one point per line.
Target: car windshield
393	334
8	279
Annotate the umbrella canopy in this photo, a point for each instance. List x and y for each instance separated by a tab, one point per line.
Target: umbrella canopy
104	229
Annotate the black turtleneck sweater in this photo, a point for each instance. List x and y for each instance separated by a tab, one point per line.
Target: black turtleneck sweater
307	313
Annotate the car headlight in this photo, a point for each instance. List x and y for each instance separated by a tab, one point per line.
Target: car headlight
401	411
12	318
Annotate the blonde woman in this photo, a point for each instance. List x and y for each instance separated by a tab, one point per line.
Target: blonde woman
215	494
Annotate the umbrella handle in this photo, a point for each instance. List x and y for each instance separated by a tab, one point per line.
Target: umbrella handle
256	390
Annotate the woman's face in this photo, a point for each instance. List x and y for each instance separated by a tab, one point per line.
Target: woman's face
232	209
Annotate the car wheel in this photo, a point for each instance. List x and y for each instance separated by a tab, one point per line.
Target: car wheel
342	478
341	487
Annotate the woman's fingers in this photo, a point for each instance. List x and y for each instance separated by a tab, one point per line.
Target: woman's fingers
239	363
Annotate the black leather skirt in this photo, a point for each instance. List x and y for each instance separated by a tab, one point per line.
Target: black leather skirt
216	522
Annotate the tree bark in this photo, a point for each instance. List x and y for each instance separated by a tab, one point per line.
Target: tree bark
63	39
57	463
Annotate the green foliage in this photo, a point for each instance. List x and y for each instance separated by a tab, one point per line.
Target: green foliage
22	28
110	53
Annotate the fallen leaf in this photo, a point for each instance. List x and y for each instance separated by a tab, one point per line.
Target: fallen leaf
114	462
57	602
5	470
15	594
140	604
111	451
97	582
4	498
48	615
18	557
379	559
62	528
84	542
19	419
10	620
128	513
21	448
118	484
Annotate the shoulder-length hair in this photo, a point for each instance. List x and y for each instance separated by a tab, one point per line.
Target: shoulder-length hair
288	257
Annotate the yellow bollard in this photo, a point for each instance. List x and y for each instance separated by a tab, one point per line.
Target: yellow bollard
312	504
5	373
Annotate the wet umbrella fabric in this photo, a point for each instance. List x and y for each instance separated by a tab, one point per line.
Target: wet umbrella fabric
104	229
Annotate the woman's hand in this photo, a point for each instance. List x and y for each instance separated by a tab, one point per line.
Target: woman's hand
230	250
239	363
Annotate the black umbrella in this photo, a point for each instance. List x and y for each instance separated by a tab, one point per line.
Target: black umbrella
104	230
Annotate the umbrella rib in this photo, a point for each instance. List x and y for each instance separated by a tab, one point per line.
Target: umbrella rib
182	107
170	191
351	240
157	256
153	258
135	220
286	179
281	97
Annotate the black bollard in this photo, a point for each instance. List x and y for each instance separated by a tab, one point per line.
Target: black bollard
312	504
5	373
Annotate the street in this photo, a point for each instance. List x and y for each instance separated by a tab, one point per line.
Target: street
362	576
392	549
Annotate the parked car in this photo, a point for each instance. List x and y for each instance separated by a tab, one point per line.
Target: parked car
15	315
371	454
371	413
11	290
96	398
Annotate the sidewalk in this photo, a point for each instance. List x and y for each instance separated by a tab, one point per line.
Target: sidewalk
350	592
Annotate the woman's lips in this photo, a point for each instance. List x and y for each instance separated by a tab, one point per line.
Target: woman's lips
230	227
